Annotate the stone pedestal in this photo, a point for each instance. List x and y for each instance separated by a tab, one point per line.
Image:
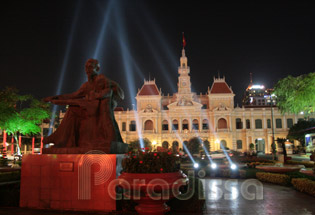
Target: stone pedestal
68	182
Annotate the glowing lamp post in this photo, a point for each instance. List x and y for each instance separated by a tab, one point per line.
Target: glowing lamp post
272	101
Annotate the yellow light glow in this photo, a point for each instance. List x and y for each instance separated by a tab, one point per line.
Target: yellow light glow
154	142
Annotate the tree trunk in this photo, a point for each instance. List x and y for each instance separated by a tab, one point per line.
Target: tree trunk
17	144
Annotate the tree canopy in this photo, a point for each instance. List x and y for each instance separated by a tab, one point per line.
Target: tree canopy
21	113
296	94
194	145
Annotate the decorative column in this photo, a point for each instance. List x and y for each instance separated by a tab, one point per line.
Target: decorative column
33	144
41	144
4	144
12	145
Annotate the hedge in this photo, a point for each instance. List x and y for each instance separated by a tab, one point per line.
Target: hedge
307	164
274	178
304	185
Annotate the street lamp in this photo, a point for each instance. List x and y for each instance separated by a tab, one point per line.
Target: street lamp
272	101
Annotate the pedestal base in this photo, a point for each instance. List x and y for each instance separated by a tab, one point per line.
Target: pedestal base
68	182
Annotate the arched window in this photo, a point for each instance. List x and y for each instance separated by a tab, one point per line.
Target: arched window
290	123
247	124
148	125
258	123
185	124
205	124
268	123
223	144
239	124
175	125
132	126
222	123
165	145
278	123
239	144
175	147
195	124
164	125
123	126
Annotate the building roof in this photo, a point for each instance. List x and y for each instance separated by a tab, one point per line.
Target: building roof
149	88
220	86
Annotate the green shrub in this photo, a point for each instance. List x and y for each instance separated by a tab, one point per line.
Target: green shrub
274	178
304	185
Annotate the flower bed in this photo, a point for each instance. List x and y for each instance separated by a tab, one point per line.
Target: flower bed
307	164
280	169
304	185
150	162
251	159
274	178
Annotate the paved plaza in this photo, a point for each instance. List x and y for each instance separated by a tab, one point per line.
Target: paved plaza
224	196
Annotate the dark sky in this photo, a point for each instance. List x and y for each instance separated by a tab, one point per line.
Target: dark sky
143	39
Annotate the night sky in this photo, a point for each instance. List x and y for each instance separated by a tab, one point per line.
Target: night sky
137	39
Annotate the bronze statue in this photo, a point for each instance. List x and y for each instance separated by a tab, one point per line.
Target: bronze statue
89	122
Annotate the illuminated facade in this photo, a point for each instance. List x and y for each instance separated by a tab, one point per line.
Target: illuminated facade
171	120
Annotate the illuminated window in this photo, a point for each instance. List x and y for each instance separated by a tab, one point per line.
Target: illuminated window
175	125
165	145
164	125
205	124
239	124
195	124
258	123
289	123
278	123
239	144
185	124
132	126
247	124
123	127
268	123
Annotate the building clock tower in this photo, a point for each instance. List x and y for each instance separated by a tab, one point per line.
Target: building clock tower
184	95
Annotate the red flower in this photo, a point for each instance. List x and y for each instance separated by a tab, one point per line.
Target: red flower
154	154
161	169
169	153
140	161
134	156
146	148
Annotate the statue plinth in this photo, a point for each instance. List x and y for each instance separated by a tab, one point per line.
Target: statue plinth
115	148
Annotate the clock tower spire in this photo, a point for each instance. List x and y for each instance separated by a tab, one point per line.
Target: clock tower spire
184	95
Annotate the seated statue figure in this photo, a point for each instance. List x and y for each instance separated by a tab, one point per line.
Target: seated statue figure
89	121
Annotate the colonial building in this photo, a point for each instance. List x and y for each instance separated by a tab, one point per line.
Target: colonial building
172	120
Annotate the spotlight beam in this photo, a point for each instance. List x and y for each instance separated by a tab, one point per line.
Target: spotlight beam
64	64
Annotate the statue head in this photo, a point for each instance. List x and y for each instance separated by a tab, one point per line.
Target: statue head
92	67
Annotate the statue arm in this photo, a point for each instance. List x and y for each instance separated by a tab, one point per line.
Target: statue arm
117	91
75	95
